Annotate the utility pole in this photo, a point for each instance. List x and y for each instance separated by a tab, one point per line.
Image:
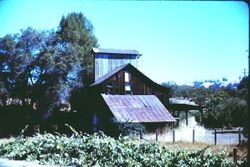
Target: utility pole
248	104
248	95
244	72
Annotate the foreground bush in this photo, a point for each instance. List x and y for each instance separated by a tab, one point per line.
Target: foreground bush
101	150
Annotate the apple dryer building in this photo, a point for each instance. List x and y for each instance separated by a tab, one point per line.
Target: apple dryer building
122	93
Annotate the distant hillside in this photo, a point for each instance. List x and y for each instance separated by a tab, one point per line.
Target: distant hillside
207	83
216	84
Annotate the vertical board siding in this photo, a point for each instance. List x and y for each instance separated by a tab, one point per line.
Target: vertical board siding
139	87
105	63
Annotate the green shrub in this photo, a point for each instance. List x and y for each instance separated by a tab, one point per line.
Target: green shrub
99	149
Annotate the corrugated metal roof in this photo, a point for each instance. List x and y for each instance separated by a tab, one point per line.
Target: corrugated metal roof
137	108
116	51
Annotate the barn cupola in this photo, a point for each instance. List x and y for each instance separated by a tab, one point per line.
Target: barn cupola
107	60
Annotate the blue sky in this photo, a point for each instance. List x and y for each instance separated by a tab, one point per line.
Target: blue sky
179	41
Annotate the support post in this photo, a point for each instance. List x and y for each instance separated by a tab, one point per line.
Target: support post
173	135
239	136
193	136
156	134
178	121
235	155
186	118
140	133
201	116
215	137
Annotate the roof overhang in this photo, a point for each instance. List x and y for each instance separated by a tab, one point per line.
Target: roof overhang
116	51
184	107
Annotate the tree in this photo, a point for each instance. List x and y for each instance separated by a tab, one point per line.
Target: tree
225	109
243	83
224	106
76	32
17	54
46	65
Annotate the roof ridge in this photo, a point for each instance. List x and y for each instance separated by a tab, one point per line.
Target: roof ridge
116	51
109	74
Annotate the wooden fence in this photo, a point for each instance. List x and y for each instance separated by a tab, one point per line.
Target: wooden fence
216	132
224	131
173	132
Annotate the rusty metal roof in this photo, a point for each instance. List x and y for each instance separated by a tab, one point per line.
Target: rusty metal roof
116	51
137	108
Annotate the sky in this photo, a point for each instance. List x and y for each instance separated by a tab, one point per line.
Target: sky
180	41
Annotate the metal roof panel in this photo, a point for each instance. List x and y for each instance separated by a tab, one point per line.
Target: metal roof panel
116	51
137	108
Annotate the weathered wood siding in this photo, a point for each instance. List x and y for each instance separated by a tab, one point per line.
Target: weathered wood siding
106	62
116	85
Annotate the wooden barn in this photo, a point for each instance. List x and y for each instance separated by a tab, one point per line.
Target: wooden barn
107	60
120	91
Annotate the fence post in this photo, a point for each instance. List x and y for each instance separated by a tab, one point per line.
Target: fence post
140	133
173	135
156	134
193	136
215	137
239	136
235	154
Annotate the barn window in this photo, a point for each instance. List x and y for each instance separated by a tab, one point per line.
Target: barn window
109	89
126	74
128	89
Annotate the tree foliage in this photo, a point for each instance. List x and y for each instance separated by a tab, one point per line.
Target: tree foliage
223	106
45	65
243	83
225	110
76	32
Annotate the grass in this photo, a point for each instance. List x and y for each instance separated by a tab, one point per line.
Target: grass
183	140
215	149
